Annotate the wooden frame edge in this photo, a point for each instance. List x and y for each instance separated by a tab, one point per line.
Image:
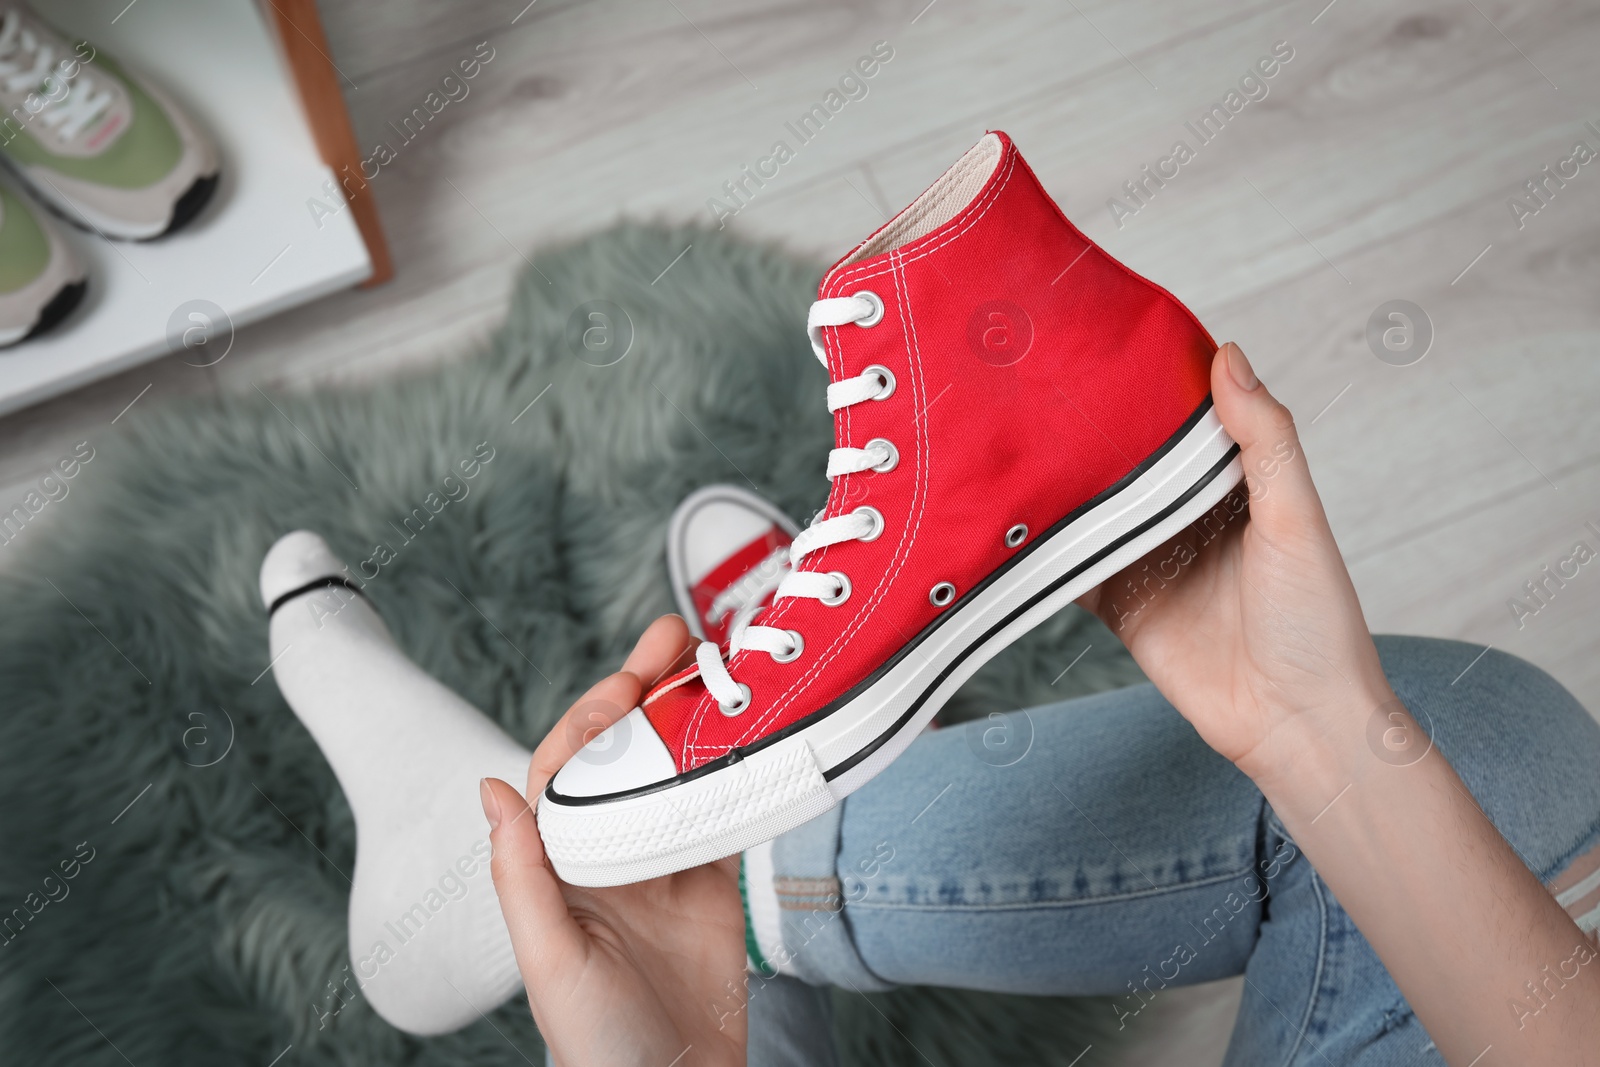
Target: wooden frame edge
306	49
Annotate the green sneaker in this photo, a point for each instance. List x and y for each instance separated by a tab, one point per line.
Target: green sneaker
102	147
41	281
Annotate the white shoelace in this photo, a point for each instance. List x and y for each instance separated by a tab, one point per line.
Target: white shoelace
27	64
862	524
750	590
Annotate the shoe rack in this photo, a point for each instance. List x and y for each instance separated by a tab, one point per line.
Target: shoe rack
276	235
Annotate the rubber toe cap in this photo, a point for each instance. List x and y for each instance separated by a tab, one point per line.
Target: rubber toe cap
627	756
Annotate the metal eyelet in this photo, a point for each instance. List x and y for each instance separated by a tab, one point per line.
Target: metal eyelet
730	710
877	307
844	590
885	445
877	522
794	653
1016	535
941	594
887	376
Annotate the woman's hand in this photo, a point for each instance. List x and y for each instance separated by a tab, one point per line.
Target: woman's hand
1247	620
637	975
1252	629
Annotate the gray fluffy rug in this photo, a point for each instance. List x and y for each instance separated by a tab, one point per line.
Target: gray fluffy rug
203	923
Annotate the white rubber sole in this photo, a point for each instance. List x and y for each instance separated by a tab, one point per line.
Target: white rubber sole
791	781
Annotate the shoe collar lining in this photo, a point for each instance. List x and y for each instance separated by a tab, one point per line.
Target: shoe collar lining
939	203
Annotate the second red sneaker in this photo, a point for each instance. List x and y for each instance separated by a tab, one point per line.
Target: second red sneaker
1017	417
727	550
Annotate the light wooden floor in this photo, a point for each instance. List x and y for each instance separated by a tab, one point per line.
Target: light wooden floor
1379	167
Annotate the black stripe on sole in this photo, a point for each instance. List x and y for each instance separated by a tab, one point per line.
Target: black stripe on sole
737	754
1210	476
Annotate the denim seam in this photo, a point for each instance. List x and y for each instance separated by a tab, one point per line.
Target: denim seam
1275	824
1317	980
1054	904
1586	841
855	952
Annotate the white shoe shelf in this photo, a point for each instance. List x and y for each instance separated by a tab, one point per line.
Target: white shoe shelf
265	242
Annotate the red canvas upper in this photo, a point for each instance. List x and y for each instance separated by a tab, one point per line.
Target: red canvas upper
1033	372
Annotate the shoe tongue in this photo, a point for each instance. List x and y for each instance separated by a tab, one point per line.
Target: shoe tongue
939	203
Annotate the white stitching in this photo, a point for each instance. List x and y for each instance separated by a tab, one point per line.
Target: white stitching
897	258
801	684
1104	257
835	365
903	549
992	197
922	207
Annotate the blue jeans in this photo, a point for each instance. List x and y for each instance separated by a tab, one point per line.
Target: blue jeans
1100	847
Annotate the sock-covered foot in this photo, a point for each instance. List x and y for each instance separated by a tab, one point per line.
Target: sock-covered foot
428	946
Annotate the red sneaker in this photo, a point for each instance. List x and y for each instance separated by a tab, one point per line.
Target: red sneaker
727	550
1018	417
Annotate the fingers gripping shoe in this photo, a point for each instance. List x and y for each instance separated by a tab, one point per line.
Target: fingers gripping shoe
727	550
1018	417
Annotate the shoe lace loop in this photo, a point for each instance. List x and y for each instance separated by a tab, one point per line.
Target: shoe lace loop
27	64
862	524
752	589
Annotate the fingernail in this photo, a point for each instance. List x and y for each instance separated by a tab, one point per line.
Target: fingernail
1239	368
491	806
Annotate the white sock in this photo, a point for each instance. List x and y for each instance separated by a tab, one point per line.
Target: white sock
428	947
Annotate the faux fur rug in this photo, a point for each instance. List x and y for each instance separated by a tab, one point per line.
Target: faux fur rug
145	750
